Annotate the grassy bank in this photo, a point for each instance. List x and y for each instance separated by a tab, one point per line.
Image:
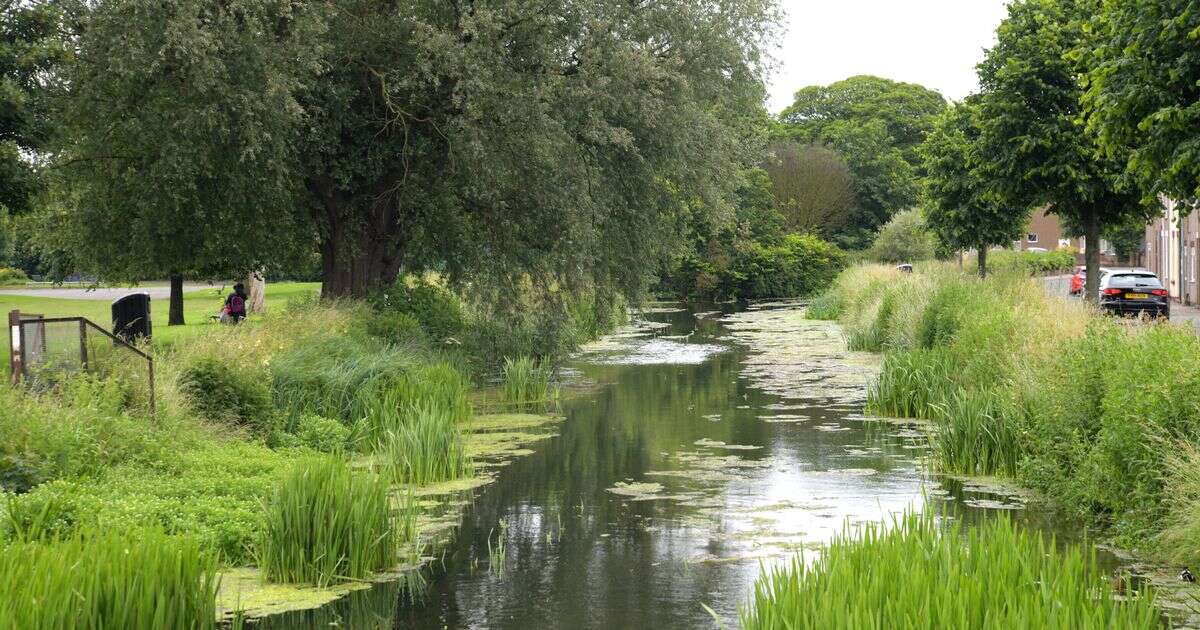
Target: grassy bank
1102	416
295	442
913	574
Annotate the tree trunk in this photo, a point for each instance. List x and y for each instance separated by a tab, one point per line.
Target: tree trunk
175	314
355	274
983	261
1091	242
256	288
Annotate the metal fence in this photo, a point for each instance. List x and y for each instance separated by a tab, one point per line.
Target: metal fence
44	351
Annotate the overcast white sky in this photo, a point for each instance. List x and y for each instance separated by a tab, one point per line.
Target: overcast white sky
932	42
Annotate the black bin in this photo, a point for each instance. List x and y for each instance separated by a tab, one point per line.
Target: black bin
131	317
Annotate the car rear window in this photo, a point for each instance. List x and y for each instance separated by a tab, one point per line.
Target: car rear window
1134	280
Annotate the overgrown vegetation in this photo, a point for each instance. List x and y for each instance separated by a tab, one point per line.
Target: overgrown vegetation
1098	415
914	574
327	523
105	578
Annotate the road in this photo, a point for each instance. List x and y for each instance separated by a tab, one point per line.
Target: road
1060	285
103	293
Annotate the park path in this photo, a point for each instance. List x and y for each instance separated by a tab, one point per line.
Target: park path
103	293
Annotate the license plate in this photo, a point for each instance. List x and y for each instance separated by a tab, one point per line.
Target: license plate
1136	296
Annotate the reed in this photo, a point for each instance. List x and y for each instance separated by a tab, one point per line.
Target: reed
497	554
133	580
527	381
326	523
912	384
976	434
418	443
913	574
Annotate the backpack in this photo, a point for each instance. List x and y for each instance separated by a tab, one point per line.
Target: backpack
237	305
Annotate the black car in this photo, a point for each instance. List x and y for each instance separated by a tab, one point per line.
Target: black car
1134	292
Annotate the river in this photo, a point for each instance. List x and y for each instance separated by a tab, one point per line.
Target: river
698	448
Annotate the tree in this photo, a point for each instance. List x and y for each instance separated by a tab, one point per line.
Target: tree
177	149
961	208
1036	151
1143	92
812	187
906	238
494	137
876	125
30	52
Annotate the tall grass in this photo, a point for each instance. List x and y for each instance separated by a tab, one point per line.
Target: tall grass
135	580
976	434
418	443
326	523
527	381
914	575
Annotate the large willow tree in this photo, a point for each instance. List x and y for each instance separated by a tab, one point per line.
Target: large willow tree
473	136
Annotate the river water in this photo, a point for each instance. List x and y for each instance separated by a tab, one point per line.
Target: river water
703	447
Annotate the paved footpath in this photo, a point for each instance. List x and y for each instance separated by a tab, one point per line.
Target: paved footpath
103	293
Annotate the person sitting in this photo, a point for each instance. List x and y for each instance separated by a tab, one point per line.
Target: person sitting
235	305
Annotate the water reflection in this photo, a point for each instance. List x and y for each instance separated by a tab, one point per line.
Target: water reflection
720	465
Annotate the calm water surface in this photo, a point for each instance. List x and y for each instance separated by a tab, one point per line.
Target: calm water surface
688	465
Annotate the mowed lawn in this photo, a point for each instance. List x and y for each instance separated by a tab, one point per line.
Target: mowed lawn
198	307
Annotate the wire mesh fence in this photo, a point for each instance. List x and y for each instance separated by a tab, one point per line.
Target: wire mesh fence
46	352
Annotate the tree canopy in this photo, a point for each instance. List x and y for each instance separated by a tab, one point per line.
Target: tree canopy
876	125
30	50
1037	151
470	137
960	208
1143	91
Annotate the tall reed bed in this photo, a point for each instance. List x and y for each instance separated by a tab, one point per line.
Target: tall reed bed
912	574
1017	382
527	381
327	523
134	580
419	443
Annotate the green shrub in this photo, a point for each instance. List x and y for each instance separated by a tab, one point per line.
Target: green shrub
228	394
436	307
326	523
911	574
134	580
322	434
904	239
397	328
8	275
800	265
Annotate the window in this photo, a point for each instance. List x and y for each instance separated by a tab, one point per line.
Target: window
1032	238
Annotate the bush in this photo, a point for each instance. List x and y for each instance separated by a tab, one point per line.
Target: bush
436	307
912	574
226	393
322	434
8	275
904	239
800	265
136	580
396	328
326	523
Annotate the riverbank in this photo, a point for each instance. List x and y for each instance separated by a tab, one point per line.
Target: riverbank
1099	415
228	467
